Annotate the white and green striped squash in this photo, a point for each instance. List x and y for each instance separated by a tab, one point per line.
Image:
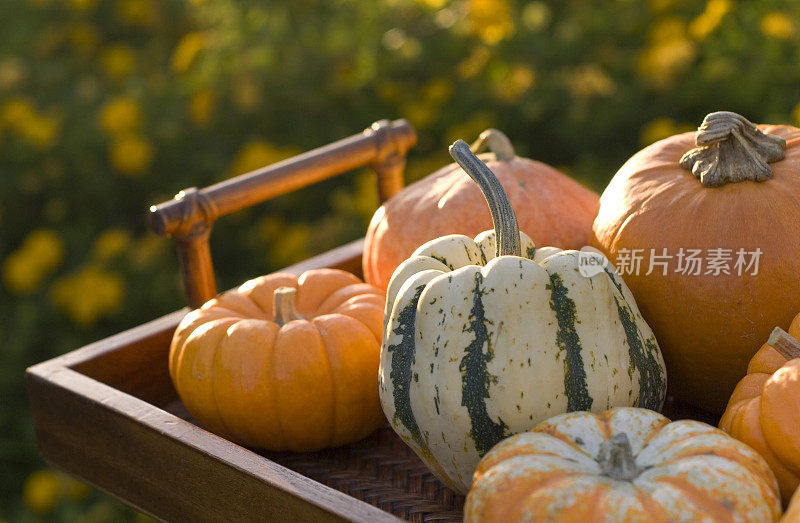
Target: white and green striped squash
486	338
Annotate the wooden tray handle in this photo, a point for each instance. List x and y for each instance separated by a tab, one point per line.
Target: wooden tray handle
188	218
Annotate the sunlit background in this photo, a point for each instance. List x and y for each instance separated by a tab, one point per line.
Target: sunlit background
109	106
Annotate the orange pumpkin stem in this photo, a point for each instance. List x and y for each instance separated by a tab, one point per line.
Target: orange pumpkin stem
731	149
284	306
495	141
616	458
784	343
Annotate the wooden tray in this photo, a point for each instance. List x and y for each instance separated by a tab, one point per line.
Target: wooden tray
108	413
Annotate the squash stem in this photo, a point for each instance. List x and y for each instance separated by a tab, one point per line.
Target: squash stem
284	306
495	141
503	216
731	149
616	458
784	343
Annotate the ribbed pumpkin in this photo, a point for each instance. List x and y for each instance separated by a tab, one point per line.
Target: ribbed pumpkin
485	338
764	409
284	362
625	464
552	208
792	514
730	186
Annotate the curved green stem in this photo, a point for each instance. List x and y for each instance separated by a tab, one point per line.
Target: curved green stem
495	141
731	149
503	216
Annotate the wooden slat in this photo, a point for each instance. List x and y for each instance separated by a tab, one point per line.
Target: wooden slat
165	466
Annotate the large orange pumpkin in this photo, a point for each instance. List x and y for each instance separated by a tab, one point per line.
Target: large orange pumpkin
551	208
284	362
732	203
624	465
764	409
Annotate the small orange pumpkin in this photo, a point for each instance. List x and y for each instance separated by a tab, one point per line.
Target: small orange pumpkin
284	362
552	208
626	464
764	409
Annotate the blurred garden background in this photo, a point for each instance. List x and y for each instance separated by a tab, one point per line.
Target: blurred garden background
109	106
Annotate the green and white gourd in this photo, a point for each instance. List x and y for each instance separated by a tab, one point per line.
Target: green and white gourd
485	338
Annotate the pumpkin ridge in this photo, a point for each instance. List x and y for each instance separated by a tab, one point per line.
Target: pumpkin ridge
403	357
475	378
217	348
652	385
716	510
332	434
568	341
650	506
552	431
273	390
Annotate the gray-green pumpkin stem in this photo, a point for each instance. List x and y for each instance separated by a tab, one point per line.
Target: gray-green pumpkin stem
496	142
284	306
503	216
731	149
616	458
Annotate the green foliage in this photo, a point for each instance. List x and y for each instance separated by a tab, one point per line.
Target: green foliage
109	106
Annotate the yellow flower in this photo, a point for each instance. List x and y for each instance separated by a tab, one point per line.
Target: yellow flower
82	5
42	131
709	20
475	63
491	20
16	110
536	15
12	73
88	294
777	25
420	113
438	90
669	53
514	84
661	128
259	153
41	253
589	81
83	37
139	13
76	490
110	244
131	154
118	61
201	108
187	50
246	94
41	491
120	115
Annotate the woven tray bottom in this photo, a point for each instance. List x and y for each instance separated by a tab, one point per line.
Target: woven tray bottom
380	470
383	471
